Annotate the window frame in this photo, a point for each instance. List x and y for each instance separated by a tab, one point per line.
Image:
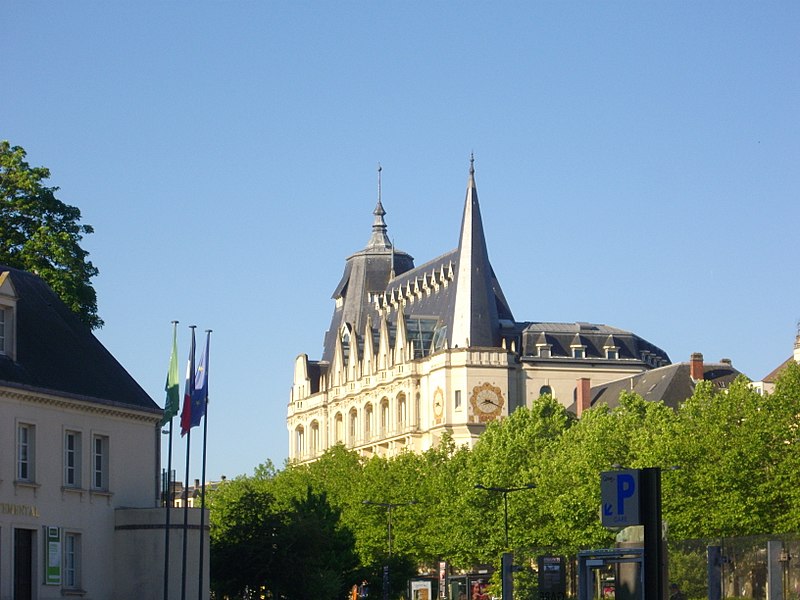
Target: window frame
75	453
28	462
71	561
104	457
3	329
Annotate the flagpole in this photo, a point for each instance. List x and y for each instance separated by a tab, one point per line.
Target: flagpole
203	480
168	492
185	518
186	427
167	507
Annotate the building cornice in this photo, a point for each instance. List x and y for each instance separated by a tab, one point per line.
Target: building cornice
75	402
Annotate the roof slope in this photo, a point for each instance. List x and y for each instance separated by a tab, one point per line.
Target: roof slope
58	354
671	384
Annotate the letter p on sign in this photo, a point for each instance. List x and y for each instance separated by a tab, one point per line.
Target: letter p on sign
619	491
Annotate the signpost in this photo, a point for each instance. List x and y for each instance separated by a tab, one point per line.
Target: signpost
619	492
633	497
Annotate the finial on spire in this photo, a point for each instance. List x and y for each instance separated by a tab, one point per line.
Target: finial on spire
379	181
472	163
379	239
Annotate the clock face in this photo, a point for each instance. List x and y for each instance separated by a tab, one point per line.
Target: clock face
438	403
487	401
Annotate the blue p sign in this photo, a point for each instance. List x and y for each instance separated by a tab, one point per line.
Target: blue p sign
626	486
619	491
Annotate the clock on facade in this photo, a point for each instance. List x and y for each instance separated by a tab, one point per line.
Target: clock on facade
438	404
487	402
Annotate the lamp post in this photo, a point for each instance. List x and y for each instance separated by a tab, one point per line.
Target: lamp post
507	558
505	491
389	506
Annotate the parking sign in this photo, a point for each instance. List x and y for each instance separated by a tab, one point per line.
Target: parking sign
619	492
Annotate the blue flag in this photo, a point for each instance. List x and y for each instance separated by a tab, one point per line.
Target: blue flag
200	395
188	392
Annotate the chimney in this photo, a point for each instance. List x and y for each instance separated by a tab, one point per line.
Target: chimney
196	483
696	366
583	395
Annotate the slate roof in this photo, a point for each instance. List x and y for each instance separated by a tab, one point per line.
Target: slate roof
58	354
671	384
458	298
773	375
594	337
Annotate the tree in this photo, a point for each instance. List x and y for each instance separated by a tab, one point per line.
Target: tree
41	234
316	557
244	530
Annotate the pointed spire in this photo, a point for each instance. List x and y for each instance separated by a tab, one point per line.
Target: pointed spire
379	238
475	319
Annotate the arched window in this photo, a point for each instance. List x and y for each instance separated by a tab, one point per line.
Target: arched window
353	433
402	411
385	420
299	441
545	389
369	422
338	428
315	440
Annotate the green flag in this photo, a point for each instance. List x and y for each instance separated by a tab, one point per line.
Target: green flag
172	388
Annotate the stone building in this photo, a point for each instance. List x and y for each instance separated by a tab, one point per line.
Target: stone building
413	352
79	460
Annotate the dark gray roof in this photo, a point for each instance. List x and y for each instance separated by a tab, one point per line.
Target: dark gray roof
594	337
58	354
671	384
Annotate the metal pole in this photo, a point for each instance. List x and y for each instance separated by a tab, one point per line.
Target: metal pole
167	510
505	514
389	528
200	586
185	519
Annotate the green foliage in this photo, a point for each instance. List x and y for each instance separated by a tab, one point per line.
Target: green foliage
738	473
244	527
689	569
41	234
301	552
316	558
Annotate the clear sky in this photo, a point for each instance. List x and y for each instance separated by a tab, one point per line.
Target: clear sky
638	165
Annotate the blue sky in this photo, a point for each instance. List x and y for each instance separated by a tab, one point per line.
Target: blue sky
637	165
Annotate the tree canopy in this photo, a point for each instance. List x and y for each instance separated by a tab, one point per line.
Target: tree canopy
730	464
41	234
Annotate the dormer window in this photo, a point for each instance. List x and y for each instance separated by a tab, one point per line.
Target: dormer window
578	347
612	353
8	305
2	331
545	350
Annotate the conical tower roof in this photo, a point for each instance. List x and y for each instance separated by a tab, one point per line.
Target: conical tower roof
475	317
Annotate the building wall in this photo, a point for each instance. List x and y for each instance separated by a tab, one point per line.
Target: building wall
139	539
324	418
130	472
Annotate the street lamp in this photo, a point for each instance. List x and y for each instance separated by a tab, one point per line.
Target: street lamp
505	491
389	506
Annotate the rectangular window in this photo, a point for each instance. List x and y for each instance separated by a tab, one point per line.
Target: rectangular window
72	561
26	437
100	462
72	459
2	331
457	399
